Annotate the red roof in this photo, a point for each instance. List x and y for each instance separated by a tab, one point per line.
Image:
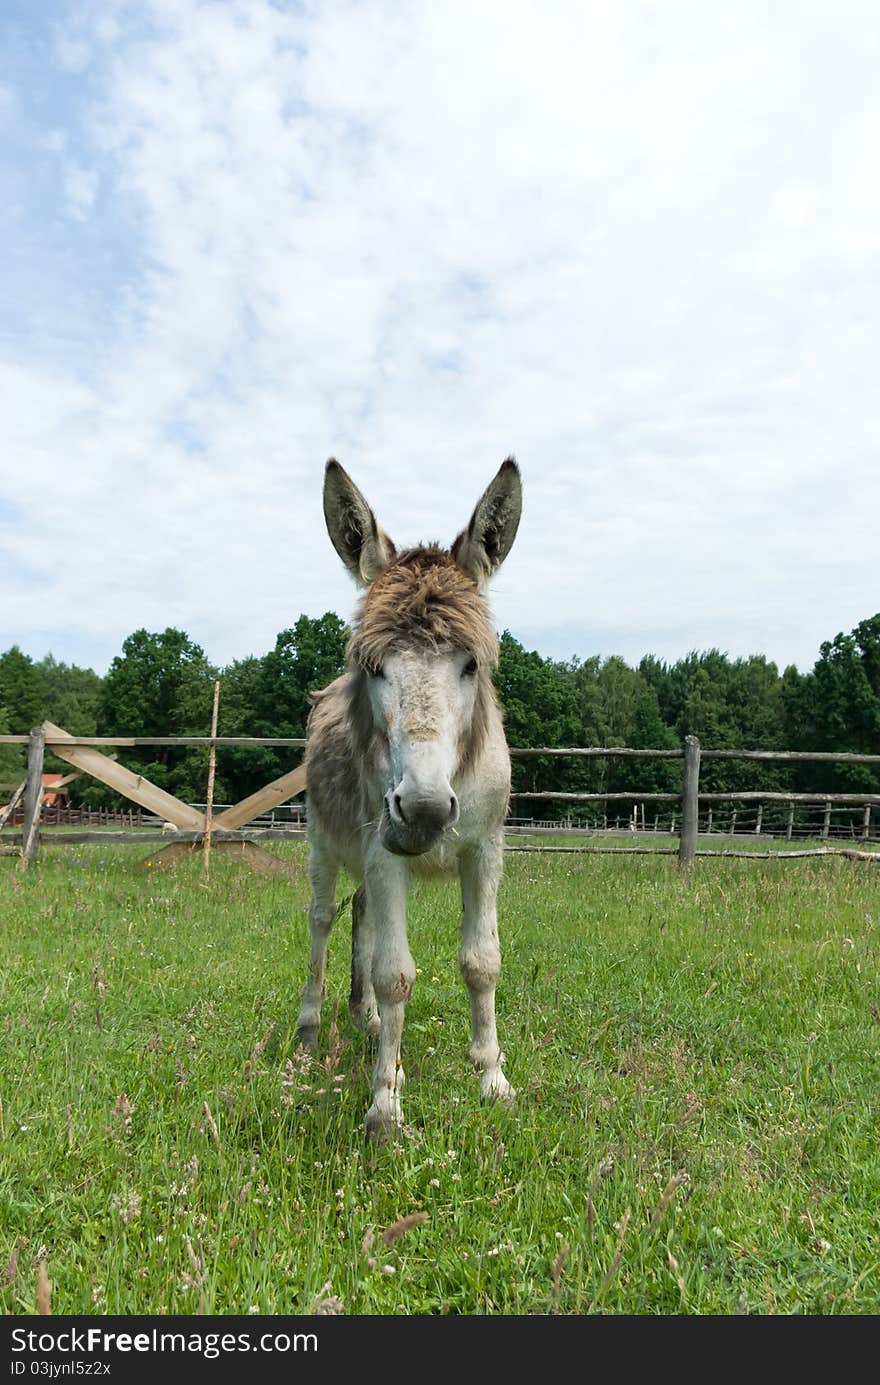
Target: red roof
47	780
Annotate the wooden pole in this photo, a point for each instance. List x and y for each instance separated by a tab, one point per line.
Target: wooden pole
827	821
690	802
866	824
209	804
33	798
760	819
790	828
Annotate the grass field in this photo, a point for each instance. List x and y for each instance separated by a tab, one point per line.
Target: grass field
698	1060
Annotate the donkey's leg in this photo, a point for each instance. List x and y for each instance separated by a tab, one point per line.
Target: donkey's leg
323	870
362	1000
480	960
393	975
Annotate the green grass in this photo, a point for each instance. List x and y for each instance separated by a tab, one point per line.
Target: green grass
165	1150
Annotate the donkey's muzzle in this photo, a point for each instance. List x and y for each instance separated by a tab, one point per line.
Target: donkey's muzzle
412	823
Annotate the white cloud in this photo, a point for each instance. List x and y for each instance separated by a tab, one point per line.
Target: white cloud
54	141
81	189
636	246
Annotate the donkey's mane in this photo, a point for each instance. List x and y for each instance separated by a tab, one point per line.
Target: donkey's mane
422	596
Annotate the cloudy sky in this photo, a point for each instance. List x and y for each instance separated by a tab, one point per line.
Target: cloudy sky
636	244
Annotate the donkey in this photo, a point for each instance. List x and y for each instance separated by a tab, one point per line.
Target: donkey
408	773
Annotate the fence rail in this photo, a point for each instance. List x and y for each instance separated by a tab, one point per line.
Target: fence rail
186	741
627	752
623	752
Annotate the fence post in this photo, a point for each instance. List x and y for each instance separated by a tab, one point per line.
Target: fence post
690	802
827	822
789	829
760	819
33	798
866	825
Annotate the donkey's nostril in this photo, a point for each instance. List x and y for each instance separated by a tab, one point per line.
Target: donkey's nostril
453	810
398	807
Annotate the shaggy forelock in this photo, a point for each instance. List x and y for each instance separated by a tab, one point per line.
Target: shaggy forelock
426	598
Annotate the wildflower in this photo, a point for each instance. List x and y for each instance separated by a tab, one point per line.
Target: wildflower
129	1207
122	1112
399	1228
326	1303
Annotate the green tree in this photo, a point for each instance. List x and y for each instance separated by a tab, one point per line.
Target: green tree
72	696
243	769
13	759
539	701
160	685
648	731
305	659
22	691
839	706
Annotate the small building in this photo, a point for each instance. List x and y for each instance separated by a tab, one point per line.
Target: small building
54	797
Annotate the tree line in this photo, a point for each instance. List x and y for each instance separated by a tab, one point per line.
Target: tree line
161	684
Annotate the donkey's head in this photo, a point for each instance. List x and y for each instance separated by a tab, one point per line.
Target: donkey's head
423	650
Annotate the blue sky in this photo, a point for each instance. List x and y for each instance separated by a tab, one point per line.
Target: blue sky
636	245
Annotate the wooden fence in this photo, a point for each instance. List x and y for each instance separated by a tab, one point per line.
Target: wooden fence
190	823
690	797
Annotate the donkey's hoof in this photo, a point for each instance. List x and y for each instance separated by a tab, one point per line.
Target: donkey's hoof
307	1035
495	1088
383	1124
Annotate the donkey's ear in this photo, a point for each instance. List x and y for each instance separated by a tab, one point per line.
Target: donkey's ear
481	548
365	549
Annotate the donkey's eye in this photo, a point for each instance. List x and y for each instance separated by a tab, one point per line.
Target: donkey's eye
377	672
469	669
